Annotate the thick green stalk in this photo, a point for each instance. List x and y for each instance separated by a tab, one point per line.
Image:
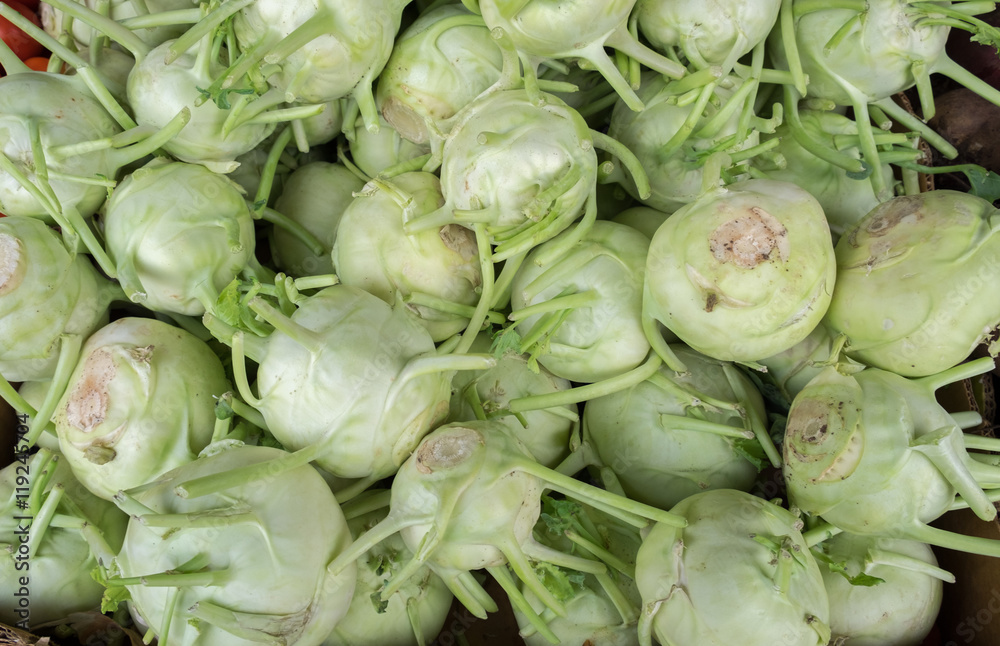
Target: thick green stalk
589	391
518	601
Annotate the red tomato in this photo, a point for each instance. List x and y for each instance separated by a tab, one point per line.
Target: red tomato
23	45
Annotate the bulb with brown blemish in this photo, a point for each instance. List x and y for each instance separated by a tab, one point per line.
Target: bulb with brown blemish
742	273
914	278
46	292
141	401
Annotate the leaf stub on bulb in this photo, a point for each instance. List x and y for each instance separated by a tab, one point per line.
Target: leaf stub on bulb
11	263
750	240
823	433
448	450
88	404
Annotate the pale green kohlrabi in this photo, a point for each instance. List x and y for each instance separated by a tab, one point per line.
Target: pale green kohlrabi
692	135
412	617
314	195
468	498
912	282
581	29
346	379
55	22
441	62
671	436
592	616
718	32
243	566
178	233
743	273
846	197
486	394
882	591
62	147
52	545
644	219
600	608
864	53
320	51
521	171
179	74
162	83
789	371
435	273
383	151
874	453
139	403
578	312
740	572
46	292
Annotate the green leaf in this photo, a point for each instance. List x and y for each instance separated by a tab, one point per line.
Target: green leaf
221	96
983	183
228	305
840	567
558	515
563	584
752	451
860	579
506	340
114	593
381	605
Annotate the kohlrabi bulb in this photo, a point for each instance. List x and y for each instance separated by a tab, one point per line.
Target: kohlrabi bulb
486	394
438	506
60	111
45	292
874	453
913	282
54	20
324	50
158	89
718	32
412	616
672	152
644	219
434	272
238	567
314	195
663	443
874	58
587	300
789	371
50	565
600	608
845	199
336	376
523	169
744	272
178	233
441	62
579	29
140	402
592	617
739	573
374	152
882	591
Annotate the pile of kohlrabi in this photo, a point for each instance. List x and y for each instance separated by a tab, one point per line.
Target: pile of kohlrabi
321	318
